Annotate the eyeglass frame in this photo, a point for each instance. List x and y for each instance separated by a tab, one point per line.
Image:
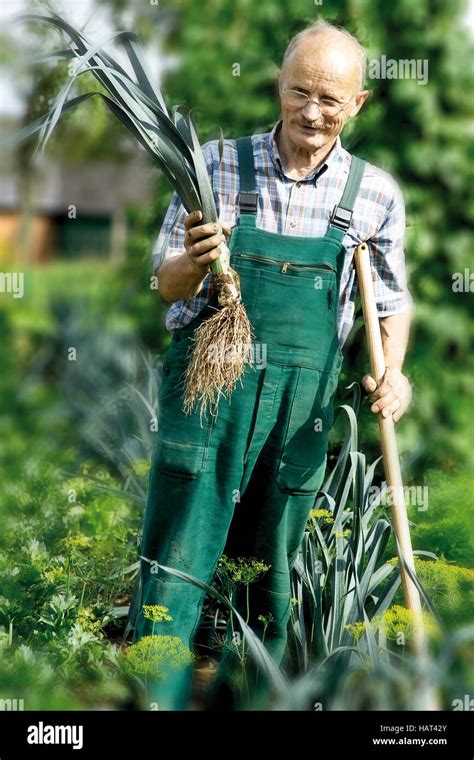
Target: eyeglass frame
312	100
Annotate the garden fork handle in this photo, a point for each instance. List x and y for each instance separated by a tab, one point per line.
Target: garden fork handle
391	460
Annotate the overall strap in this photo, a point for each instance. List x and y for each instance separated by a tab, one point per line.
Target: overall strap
341	217
248	196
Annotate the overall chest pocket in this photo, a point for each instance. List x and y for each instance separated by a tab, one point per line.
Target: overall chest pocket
182	443
297	310
303	456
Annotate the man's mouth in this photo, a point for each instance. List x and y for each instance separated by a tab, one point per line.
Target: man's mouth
309	130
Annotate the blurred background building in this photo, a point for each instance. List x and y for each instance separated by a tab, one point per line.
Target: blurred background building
70	210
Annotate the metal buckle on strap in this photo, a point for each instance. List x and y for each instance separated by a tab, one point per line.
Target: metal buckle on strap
341	218
248	202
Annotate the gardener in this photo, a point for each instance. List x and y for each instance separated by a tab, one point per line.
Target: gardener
245	481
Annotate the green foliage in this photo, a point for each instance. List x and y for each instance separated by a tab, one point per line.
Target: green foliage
451	588
155	656
145	306
241	570
65	557
397	624
61	573
447	526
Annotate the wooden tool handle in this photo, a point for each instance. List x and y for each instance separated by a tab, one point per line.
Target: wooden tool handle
388	441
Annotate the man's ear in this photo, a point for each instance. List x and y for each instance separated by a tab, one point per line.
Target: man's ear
360	99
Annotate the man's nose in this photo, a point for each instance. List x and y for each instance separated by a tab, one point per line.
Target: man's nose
311	110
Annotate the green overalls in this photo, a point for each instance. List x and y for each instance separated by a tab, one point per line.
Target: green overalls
245	481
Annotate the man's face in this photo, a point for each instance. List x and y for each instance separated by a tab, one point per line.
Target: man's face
320	68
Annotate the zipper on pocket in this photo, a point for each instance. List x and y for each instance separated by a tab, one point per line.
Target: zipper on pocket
318	267
285	265
329	299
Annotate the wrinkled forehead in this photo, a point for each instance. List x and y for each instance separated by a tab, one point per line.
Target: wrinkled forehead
318	61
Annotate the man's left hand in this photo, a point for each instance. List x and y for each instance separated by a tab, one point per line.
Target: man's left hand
393	396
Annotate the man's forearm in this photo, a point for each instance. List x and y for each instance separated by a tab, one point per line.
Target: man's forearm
179	279
395	332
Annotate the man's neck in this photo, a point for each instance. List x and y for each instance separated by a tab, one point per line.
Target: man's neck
299	162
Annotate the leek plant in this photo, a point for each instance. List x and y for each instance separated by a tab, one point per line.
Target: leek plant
340	572
342	583
172	143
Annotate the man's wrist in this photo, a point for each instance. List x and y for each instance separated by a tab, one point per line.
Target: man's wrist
394	356
196	276
393	364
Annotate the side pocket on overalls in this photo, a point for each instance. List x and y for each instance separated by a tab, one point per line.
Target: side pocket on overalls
303	459
182	444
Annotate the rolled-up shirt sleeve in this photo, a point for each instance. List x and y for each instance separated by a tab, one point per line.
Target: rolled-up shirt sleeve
170	240
387	257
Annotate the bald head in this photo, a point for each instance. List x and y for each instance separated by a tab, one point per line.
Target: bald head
328	46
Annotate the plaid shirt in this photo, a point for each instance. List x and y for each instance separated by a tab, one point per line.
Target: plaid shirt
302	207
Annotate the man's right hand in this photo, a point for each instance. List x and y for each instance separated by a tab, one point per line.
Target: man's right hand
182	276
201	241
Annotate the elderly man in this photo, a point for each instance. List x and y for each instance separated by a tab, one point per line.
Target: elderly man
297	204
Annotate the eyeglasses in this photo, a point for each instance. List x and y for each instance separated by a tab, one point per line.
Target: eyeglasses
327	106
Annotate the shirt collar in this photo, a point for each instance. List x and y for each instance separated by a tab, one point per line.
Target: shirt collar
335	156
